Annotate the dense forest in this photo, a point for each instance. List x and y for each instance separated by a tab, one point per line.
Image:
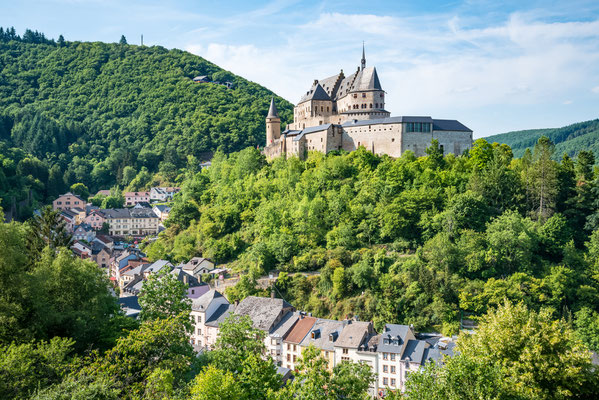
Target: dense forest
63	336
421	241
102	113
570	139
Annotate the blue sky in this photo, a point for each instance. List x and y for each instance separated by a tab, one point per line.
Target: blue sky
494	65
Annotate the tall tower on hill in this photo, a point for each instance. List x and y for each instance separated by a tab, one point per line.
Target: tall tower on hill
273	123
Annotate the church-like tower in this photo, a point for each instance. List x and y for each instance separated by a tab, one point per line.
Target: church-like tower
273	123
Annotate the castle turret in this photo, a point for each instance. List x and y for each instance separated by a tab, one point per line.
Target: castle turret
273	123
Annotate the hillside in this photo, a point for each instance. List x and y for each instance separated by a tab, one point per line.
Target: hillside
569	139
407	240
93	109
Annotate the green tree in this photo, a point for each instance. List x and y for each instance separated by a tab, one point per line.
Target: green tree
162	296
123	40
27	367
543	176
46	229
587	327
538	357
80	190
215	384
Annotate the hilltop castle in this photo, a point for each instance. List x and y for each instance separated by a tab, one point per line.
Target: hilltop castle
346	112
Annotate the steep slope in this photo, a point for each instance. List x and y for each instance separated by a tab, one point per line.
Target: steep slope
569	139
96	108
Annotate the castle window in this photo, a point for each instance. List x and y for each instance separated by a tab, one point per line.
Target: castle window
363	95
327	109
321	108
393	139
382	95
370	105
355	95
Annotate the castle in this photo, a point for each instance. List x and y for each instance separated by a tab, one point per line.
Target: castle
346	112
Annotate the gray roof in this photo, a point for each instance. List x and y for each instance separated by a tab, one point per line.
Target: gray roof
393	339
163	207
137	270
135	212
158	265
311	129
390	120
221	313
129	302
203	302
316	92
264	311
354	334
414	351
285	325
449	125
272	110
367	79
324	330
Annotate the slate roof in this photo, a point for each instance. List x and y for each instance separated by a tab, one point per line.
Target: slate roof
203	302
414	351
137	270
323	329
393	339
300	330
135	212
162	208
449	125
221	313
129	302
263	311
157	266
316	92
354	334
288	321
272	110
389	120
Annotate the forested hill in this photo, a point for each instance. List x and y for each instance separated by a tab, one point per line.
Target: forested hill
569	139
95	108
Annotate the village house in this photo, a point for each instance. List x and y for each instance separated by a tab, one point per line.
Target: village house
275	338
291	348
136	221
83	232
101	256
95	219
81	249
198	266
132	198
163	193
324	335
67	201
213	307
162	211
70	218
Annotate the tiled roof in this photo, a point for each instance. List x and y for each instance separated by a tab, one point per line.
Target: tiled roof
300	330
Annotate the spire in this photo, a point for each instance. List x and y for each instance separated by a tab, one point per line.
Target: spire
272	111
363	56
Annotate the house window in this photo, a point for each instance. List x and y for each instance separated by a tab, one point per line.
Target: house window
294	358
345	351
294	348
385	381
392	356
288	346
385	368
393	369
392	382
288	357
385	356
355	95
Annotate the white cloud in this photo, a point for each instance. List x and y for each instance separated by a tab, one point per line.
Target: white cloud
431	65
595	89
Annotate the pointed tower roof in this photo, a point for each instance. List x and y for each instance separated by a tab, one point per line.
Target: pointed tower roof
272	110
316	93
363	56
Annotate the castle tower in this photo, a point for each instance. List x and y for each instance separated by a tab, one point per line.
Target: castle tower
273	123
